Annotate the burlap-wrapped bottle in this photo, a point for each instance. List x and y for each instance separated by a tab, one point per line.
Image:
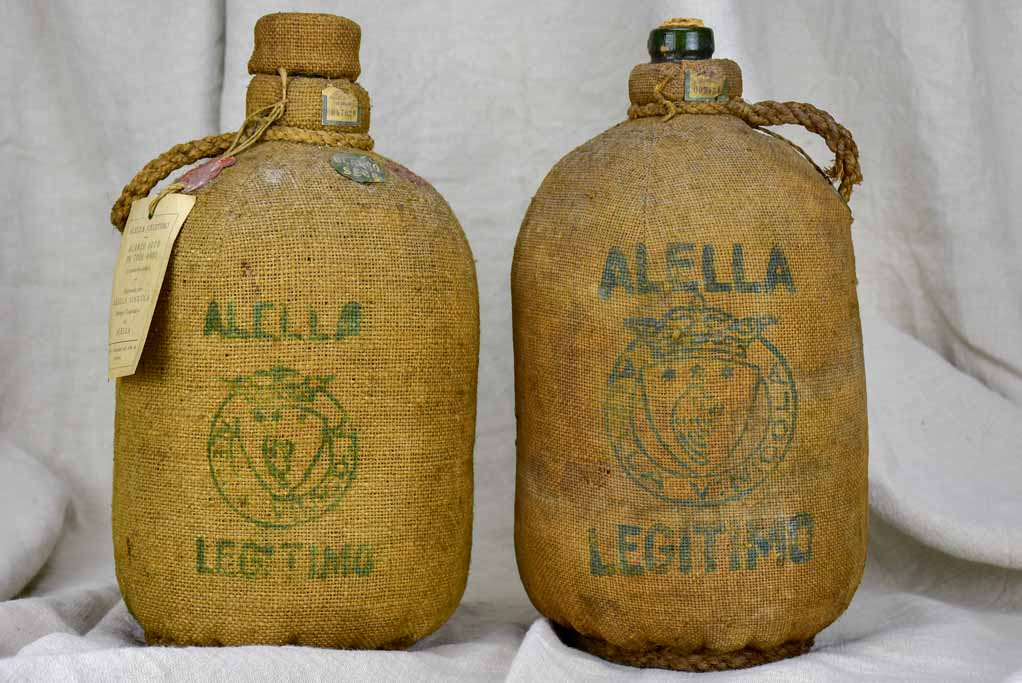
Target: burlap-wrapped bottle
691	486
293	457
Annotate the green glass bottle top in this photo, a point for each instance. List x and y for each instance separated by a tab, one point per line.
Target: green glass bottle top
678	39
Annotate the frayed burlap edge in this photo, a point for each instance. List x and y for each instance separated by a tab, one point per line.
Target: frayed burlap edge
663	657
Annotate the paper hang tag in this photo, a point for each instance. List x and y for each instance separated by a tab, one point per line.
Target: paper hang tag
340	108
141	265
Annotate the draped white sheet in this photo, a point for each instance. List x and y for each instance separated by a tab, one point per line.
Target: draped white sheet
482	97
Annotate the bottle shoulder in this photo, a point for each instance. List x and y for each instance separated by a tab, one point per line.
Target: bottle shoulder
718	155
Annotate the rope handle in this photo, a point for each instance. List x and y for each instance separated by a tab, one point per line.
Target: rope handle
845	170
257	126
162	166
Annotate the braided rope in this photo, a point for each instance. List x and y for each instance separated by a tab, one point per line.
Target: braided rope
325	138
839	140
188	153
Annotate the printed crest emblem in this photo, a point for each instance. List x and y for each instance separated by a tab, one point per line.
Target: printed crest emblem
282	451
700	407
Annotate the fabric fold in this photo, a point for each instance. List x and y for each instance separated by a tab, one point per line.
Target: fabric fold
944	451
33	503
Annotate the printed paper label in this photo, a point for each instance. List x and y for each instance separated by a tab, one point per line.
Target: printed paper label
340	108
705	87
138	276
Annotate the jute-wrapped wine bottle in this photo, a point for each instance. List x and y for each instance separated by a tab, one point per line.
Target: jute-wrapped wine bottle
691	487
293	456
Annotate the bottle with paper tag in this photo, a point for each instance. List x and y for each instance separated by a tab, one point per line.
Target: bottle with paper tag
691	404
295	330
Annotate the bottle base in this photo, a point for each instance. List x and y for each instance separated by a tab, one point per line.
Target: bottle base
663	657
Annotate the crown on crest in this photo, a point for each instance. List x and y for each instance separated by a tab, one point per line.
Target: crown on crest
279	383
698	328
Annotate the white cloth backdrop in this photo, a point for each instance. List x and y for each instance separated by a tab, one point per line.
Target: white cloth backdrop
481	97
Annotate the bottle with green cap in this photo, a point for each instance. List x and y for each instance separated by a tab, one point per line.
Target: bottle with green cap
692	439
677	40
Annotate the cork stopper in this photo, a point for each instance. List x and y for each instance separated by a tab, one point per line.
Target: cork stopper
681	22
321	45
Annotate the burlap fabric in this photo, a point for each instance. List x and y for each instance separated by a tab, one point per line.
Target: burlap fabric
692	447
293	458
306	44
305	106
645	77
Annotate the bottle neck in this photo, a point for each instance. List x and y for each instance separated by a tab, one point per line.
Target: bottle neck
703	80
331	104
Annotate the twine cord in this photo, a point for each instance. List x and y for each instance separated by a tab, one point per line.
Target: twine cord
658	92
259	126
259	121
845	170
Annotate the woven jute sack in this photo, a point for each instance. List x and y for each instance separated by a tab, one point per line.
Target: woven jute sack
293	457
692	447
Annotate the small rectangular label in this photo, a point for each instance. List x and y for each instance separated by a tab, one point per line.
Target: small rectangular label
138	276
700	87
340	108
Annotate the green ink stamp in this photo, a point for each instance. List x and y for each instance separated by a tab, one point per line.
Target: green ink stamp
358	167
282	451
700	407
